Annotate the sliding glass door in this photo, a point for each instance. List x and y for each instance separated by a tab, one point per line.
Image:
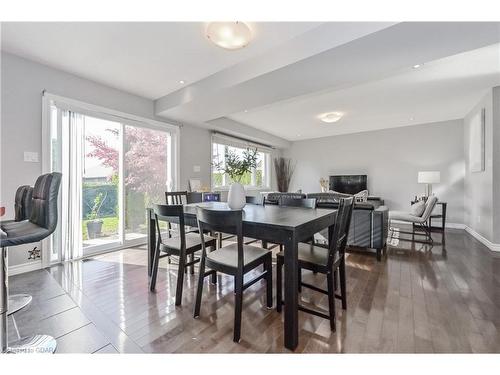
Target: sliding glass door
112	171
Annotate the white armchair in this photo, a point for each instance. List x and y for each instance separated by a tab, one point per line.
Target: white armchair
421	221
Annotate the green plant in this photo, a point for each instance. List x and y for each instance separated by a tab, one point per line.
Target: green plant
235	166
98	201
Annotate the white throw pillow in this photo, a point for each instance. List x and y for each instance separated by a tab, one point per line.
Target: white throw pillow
417	209
362	196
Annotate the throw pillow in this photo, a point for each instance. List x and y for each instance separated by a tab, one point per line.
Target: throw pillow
417	209
362	196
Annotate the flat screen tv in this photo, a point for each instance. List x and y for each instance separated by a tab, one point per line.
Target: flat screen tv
348	184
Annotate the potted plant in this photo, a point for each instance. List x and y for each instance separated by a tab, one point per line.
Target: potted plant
236	167
94	224
284	171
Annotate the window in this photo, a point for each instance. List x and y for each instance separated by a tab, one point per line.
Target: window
258	178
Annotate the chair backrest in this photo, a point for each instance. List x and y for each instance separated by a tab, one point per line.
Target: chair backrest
254	200
167	213
298	202
338	240
429	206
22	203
275	198
224	221
44	202
176	197
194	197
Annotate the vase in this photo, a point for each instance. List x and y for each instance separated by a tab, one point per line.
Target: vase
236	199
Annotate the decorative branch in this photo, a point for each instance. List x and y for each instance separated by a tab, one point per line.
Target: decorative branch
236	167
284	171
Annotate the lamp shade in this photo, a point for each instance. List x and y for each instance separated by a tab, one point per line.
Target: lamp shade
429	177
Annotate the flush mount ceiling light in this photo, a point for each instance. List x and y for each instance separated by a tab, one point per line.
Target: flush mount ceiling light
229	35
416	66
330	117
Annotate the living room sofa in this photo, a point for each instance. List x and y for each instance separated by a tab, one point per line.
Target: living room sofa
369	224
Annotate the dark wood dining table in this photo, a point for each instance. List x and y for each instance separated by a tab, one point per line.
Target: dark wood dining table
276	224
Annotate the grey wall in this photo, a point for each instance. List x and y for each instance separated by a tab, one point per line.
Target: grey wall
478	213
391	158
21	125
482	200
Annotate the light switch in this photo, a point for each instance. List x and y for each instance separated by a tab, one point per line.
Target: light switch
196	168
31	157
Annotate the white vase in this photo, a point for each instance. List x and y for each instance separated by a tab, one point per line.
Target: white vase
236	199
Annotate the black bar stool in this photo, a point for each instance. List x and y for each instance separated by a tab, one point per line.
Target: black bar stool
41	223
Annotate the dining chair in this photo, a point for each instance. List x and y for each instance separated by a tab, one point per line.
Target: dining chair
235	259
254	200
176	197
325	260
298	202
182	246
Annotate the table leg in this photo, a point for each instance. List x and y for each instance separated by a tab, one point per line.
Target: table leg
151	239
291	293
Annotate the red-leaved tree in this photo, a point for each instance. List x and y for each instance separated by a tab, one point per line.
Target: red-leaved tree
145	167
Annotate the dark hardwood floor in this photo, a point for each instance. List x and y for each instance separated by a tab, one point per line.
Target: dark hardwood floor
418	299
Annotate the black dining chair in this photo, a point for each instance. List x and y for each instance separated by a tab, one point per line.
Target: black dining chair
253	200
182	246
236	259
298	202
286	201
323	259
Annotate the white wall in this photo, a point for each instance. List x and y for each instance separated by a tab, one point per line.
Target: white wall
391	158
482	195
478	213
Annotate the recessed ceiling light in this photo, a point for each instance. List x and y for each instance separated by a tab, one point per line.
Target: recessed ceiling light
246	110
331	117
416	66
229	35
182	82
411	118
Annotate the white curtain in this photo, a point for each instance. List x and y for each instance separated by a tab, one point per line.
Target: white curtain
72	168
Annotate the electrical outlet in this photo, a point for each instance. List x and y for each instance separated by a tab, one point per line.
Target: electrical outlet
31	157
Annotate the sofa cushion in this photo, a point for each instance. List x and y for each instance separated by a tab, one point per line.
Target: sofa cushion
418	208
362	196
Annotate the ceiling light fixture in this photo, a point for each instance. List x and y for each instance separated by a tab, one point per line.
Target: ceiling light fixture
416	66
229	35
182	82
330	117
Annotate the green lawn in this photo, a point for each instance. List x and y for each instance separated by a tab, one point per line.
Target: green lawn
109	227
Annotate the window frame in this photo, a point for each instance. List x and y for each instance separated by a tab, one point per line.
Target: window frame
228	141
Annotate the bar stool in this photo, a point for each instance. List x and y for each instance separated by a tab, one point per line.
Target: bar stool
41	223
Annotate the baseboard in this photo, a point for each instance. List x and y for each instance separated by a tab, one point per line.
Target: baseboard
25	267
448	225
490	245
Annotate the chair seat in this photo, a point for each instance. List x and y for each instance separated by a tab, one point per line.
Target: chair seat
193	242
406	216
21	232
314	255
227	256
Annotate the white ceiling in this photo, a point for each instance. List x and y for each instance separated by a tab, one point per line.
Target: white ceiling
144	58
440	90
273	89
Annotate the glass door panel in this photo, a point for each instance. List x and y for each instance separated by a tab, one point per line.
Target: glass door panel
101	192
146	174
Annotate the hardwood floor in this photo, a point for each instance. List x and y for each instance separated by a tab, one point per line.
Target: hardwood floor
417	300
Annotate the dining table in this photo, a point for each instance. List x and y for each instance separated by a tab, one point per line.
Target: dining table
269	223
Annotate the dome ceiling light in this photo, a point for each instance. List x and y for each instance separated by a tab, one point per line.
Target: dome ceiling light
229	35
330	117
